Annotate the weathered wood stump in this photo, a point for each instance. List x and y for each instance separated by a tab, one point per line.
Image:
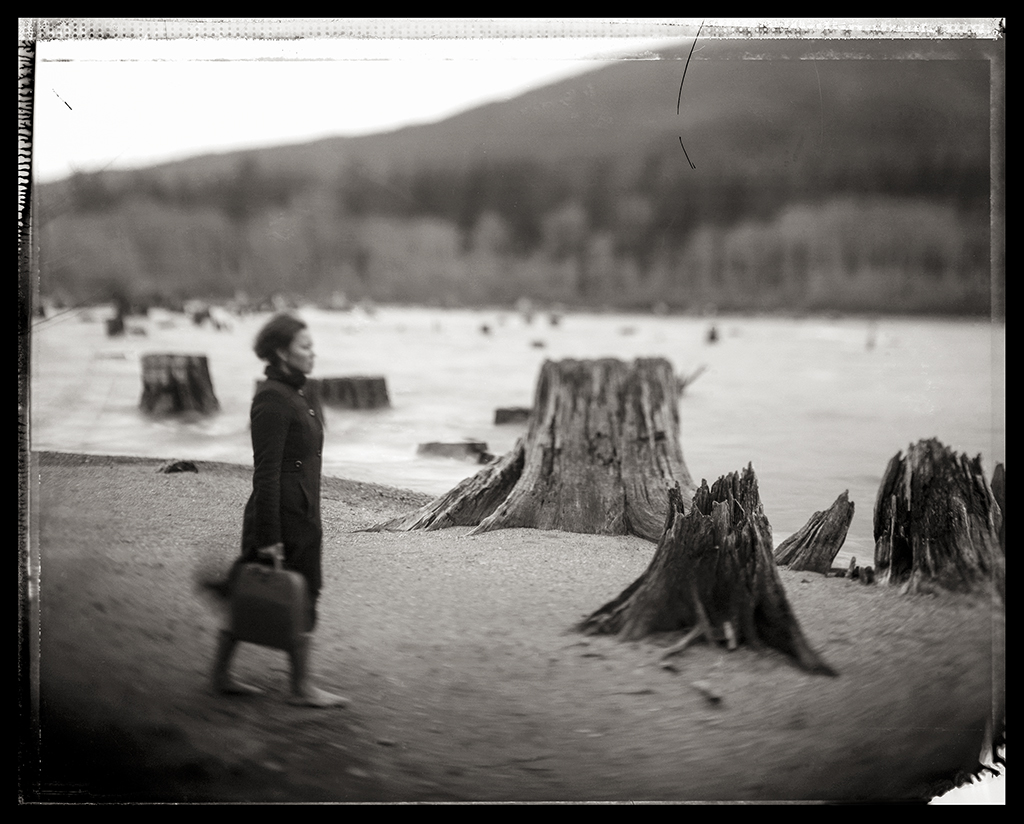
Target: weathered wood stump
712	574
175	384
866	575
601	451
355	392
937	522
999	491
511	414
815	545
475	451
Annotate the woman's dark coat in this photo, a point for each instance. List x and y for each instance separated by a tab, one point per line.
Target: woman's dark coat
287	443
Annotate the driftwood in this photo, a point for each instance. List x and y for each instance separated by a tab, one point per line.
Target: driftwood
178	466
937	522
713	575
175	384
356	392
475	451
683	381
815	545
601	450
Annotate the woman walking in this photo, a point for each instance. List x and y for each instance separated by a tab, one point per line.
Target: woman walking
282	515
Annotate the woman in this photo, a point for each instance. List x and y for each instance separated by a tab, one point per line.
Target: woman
283	511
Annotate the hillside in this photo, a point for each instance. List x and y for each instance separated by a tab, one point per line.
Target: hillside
582	191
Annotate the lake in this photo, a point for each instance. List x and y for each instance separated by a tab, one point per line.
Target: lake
816	405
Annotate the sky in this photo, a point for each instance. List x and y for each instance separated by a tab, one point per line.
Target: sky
142	99
116	104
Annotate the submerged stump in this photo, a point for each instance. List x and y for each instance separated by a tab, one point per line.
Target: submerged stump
511	414
815	545
714	576
601	451
475	451
354	392
175	384
937	522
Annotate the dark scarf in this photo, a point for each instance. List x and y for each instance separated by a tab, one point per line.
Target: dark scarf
276	373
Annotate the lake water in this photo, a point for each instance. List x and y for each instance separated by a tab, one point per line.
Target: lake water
818	406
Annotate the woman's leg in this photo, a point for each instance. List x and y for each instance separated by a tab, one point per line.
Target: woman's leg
223	683
303	692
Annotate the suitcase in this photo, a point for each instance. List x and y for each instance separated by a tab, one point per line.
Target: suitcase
269	605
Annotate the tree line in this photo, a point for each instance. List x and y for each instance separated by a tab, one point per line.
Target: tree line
612	231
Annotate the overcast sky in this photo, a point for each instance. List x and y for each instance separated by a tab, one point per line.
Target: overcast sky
133	101
127	103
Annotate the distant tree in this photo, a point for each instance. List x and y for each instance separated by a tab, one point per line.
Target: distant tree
239	192
91	192
472	203
599	194
565	232
351	191
517	195
491	234
633	230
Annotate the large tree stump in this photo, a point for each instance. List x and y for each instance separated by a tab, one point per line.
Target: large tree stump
600	452
815	545
354	392
999	491
176	384
712	574
936	522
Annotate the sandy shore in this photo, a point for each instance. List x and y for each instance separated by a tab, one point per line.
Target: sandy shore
465	679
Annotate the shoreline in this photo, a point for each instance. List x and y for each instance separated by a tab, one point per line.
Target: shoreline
333	483
465	680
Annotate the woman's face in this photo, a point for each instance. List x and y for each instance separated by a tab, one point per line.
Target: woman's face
299	356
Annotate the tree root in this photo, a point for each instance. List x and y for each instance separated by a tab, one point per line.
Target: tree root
705	630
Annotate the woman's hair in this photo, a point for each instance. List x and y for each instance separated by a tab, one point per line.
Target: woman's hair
277	333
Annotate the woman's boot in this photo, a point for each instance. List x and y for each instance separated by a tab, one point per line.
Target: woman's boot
223	683
304	694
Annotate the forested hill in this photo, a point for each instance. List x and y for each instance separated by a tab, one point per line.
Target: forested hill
765	180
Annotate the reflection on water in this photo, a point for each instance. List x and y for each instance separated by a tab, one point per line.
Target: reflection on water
818	406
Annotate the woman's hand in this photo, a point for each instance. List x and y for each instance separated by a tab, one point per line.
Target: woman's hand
273	552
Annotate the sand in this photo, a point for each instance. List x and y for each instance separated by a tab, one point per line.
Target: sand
465	679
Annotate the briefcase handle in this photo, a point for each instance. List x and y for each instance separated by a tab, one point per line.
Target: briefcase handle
274	552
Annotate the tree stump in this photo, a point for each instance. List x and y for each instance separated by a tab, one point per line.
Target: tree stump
175	384
712	574
355	392
815	545
937	522
511	414
600	452
999	491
